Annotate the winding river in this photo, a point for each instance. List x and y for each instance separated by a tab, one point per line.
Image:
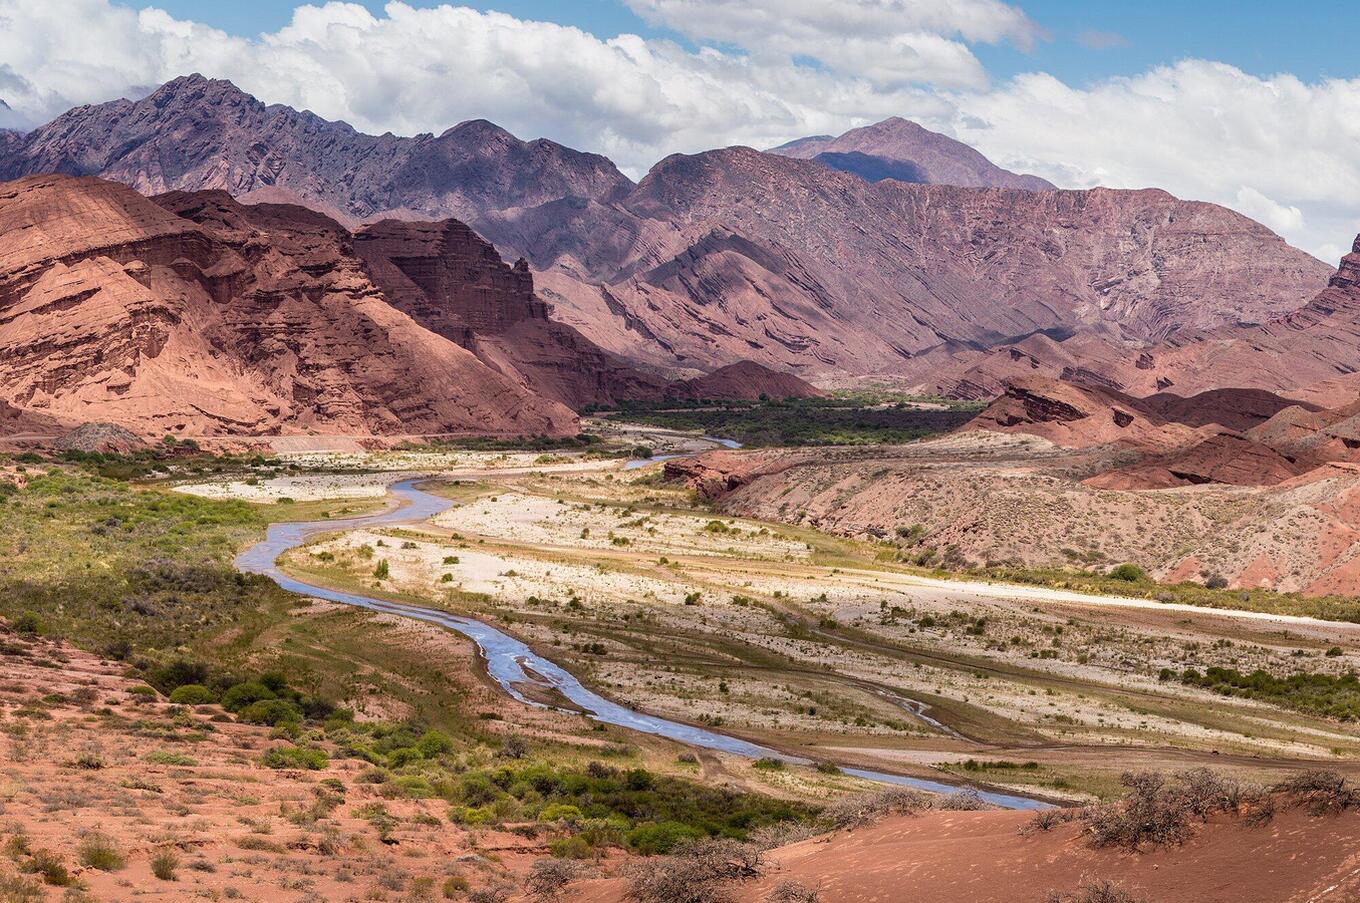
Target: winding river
511	663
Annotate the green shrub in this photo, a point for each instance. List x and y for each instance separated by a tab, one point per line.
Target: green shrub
1129	573
98	851
560	812
49	865
573	847
470	815
272	712
28	623
192	694
657	838
382	570
164	864
14	889
296	757
433	744
242	695
165	757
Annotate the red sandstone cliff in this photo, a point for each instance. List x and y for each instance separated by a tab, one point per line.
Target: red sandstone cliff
195	314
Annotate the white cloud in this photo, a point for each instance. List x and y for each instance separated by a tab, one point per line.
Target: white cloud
888	42
1261	208
1277	148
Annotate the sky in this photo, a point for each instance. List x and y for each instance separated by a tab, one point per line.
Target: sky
1248	104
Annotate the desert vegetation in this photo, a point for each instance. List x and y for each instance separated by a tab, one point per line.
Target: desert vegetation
805	422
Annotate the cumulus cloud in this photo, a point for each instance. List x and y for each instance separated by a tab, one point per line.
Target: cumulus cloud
1275	148
760	72
888	42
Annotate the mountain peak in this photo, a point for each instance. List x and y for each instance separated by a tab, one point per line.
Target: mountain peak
483	129
195	132
898	148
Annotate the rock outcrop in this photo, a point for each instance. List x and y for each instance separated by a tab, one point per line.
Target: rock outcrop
17	422
452	282
196	315
106	438
1079	416
743	381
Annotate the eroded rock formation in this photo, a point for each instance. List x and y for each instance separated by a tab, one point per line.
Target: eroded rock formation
197	315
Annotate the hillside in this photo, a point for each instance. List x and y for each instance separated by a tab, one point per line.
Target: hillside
201	316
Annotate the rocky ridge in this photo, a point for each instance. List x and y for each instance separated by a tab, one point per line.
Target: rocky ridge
735	254
197	315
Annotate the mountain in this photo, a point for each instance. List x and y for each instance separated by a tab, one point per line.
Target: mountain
734	254
197	315
1311	353
196	133
897	148
452	282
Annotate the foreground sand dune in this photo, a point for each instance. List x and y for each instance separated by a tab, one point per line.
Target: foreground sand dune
981	857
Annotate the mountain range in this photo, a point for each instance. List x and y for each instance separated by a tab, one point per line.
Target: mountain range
887	251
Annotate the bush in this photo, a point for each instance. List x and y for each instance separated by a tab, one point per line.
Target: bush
1102	891
1320	792
862	809
98	851
1129	573
966	800
272	712
296	757
662	837
1048	819
50	867
164	864
28	623
788	891
383	570
696	873
549	877
1159	812
14	889
574	847
242	695
192	694
560	812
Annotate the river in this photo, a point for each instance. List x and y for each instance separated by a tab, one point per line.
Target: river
512	664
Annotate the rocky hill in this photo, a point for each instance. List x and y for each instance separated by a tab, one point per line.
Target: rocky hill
198	315
1310	353
452	282
898	148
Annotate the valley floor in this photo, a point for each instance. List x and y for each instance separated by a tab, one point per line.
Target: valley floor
809	643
